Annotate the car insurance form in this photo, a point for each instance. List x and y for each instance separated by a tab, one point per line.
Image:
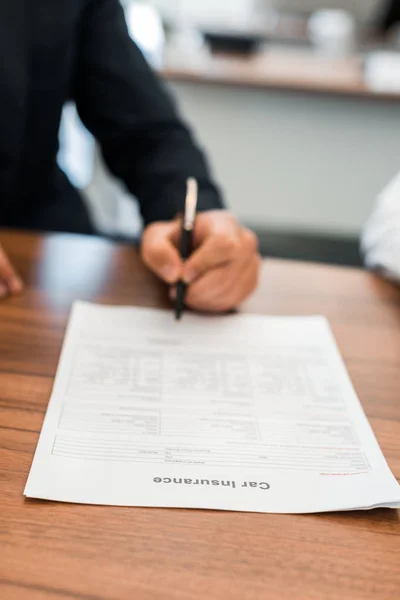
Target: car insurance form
244	413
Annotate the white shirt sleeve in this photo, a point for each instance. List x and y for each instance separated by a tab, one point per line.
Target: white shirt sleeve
380	243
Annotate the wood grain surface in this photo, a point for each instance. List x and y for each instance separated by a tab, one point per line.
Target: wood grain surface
70	552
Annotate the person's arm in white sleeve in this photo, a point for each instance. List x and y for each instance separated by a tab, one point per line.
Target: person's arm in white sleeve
380	243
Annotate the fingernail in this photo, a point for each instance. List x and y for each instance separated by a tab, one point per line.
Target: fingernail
3	290
190	275
170	273
172	293
16	285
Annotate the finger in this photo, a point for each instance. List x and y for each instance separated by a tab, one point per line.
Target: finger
250	242
231	241
10	281
224	297
212	222
3	290
159	250
222	246
224	288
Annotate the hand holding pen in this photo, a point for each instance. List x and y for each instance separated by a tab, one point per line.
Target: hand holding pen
223	262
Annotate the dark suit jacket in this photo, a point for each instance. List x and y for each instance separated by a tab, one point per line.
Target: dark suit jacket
390	14
55	50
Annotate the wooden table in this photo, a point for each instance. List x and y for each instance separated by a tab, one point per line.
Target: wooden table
52	551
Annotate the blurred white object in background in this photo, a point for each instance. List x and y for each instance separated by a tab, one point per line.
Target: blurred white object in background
185	46
333	33
145	27
364	11
228	14
382	71
75	156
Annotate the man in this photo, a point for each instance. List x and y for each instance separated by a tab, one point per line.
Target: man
81	50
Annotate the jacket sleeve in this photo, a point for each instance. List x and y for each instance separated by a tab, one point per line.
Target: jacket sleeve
127	108
390	15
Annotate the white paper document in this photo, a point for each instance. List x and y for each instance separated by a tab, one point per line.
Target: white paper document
244	413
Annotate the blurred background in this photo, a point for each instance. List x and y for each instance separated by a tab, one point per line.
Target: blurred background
296	101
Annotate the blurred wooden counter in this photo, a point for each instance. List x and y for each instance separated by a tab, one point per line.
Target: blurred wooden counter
284	69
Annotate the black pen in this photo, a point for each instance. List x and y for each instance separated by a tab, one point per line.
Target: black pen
186	245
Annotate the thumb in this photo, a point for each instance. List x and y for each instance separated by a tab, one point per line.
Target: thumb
159	251
10	283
